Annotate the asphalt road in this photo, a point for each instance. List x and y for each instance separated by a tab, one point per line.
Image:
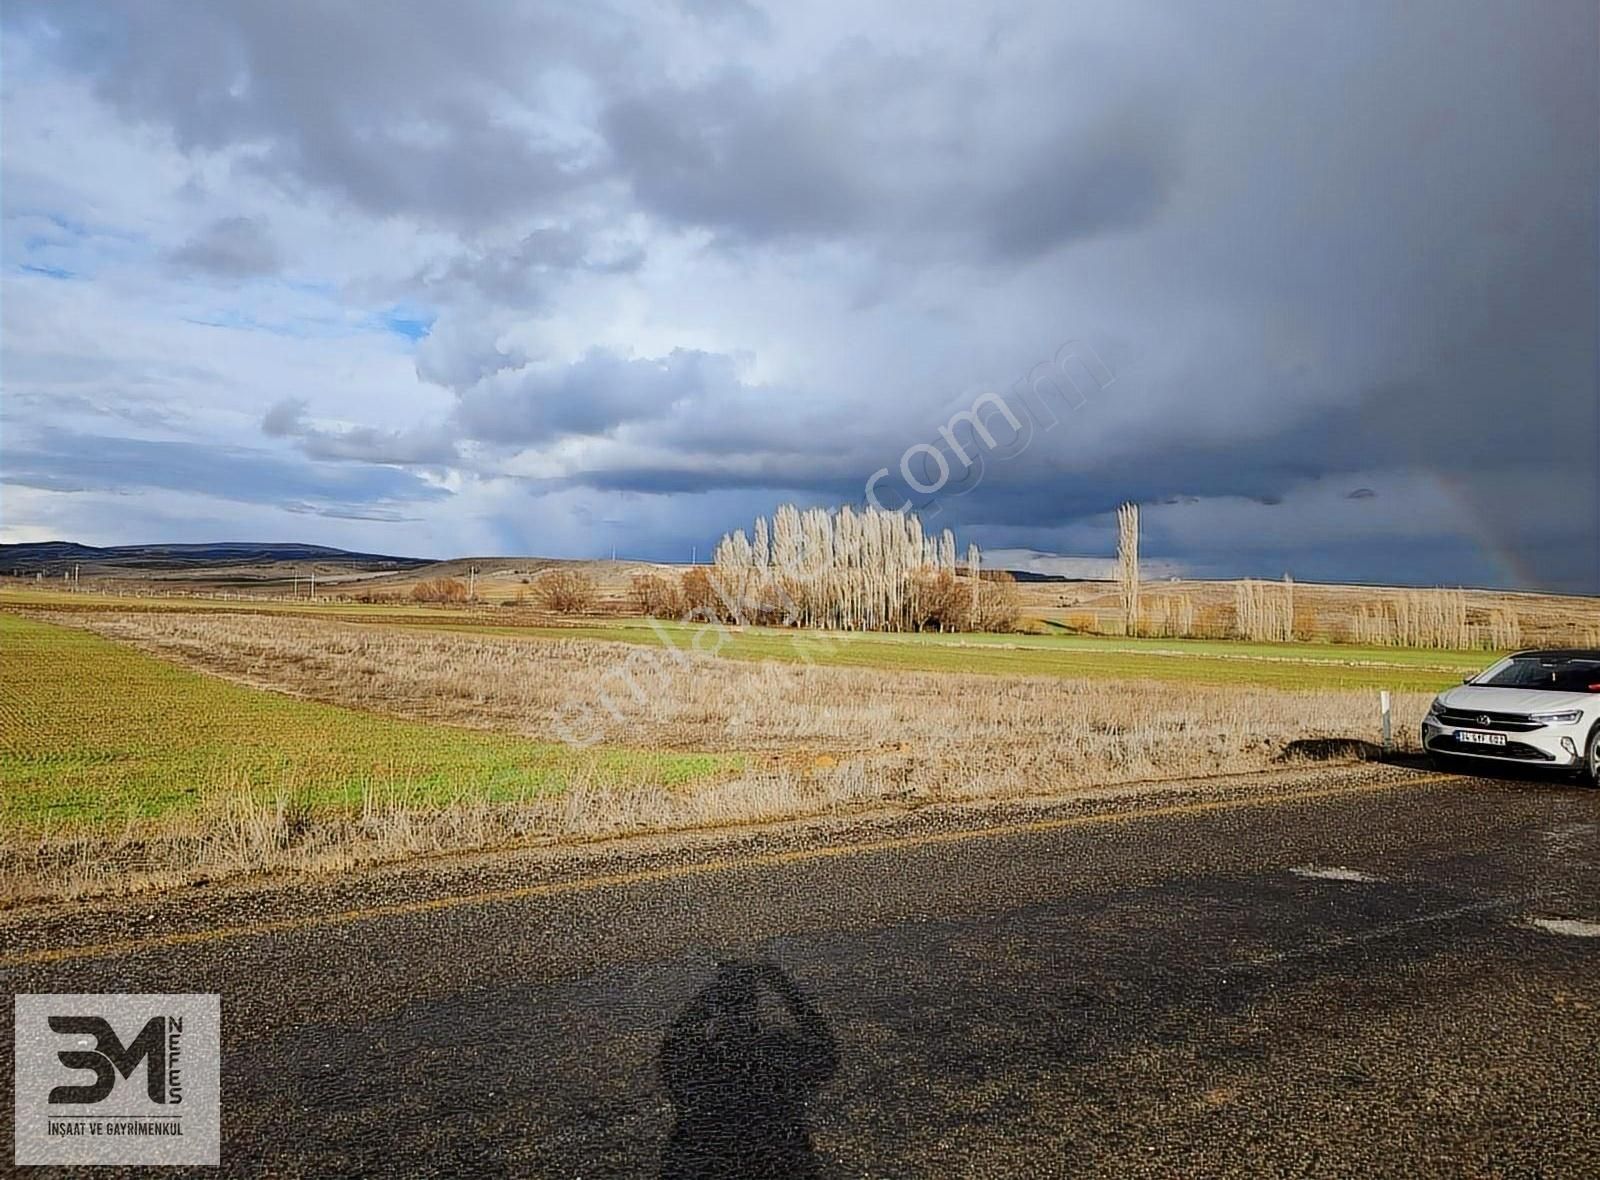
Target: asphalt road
1395	980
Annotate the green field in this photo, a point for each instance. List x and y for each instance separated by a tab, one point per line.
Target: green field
95	732
1208	661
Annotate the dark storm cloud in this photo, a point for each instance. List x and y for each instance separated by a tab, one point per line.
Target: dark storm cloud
1119	176
460	352
735	158
285	419
394	109
425	446
591	396
881	145
56	460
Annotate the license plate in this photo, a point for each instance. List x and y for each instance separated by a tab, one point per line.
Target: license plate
1481	739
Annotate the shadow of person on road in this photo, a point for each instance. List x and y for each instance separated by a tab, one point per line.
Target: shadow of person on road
739	1082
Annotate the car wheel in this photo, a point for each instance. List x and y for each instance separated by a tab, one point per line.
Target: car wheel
1592	761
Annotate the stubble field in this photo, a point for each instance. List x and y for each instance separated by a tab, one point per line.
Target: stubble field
154	747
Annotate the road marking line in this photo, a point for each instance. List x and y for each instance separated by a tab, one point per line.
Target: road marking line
674	872
1338	873
1382	931
1569	926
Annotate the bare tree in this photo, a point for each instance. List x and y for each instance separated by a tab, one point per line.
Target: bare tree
850	569
1264	612
439	590
1128	564
564	591
656	596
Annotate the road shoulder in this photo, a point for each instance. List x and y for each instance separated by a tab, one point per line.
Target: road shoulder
204	913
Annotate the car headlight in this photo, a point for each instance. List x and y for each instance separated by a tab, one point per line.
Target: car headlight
1565	717
1436	708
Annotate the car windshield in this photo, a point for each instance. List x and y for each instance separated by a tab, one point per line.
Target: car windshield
1550	674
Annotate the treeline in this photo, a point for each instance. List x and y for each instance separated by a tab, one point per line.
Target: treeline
561	590
842	570
444	589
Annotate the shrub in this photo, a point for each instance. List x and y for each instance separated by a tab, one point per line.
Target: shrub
999	605
698	597
439	590
564	591
656	596
939	602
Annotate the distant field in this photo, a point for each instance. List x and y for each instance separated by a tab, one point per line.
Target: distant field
1324	614
1206	661
96	732
23	596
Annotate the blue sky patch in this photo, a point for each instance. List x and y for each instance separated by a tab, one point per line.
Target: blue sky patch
409	322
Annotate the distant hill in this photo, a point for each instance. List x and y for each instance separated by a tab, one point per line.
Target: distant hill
58	557
1034	565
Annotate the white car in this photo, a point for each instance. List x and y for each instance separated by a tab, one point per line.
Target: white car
1536	708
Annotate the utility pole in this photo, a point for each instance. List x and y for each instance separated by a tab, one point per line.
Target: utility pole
297	583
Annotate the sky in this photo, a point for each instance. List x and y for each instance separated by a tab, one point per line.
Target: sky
1315	285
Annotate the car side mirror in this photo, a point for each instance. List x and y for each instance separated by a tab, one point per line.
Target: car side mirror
1468	678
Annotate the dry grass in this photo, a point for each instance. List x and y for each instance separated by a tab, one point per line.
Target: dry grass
683	700
1374	615
820	740
237	834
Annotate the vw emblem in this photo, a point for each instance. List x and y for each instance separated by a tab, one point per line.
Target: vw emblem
1483	719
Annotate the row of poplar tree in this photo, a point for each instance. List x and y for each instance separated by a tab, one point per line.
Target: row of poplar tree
858	570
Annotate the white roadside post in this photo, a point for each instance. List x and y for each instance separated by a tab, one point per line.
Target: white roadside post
1388	733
